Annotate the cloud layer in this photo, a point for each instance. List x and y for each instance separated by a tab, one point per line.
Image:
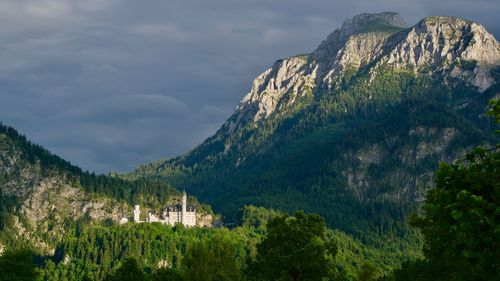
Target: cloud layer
110	84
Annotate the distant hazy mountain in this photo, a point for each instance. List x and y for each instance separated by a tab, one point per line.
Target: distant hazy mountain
354	130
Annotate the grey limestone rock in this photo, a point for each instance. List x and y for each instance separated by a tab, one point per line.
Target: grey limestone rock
454	47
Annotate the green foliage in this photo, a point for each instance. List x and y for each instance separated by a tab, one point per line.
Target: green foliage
460	220
34	153
415	270
466	65
368	272
256	217
494	111
18	266
194	254
295	248
216	259
167	274
179	253
128	271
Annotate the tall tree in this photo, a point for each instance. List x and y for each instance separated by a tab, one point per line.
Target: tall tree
461	217
296	248
17	266
214	259
167	274
128	271
368	272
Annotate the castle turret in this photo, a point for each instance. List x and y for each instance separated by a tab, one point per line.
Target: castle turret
137	213
184	208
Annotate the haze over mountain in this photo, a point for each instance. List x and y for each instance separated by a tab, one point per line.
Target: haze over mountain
94	80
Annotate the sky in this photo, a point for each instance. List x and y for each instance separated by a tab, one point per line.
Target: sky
112	84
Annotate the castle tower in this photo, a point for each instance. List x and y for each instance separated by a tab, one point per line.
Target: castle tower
137	213
184	208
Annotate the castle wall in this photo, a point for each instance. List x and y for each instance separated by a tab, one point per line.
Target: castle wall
190	218
172	215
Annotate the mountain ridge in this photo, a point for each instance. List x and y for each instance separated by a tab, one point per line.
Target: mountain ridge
335	60
281	84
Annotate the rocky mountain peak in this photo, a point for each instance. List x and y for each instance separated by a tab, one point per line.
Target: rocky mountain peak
384	22
365	22
456	47
451	46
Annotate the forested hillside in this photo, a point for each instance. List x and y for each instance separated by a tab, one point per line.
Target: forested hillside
60	223
352	131
99	252
42	195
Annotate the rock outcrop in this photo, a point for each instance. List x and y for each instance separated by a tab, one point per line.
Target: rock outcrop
44	201
276	88
453	47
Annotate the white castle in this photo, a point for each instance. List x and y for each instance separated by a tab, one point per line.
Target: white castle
173	214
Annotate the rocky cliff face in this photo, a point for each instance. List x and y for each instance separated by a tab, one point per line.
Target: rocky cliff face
44	201
456	47
42	196
275	89
453	47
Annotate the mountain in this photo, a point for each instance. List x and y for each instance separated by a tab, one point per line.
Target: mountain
68	218
352	131
43	197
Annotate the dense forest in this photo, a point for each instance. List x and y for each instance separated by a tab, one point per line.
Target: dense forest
241	253
459	221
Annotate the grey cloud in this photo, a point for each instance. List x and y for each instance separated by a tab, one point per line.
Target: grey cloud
110	84
127	107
